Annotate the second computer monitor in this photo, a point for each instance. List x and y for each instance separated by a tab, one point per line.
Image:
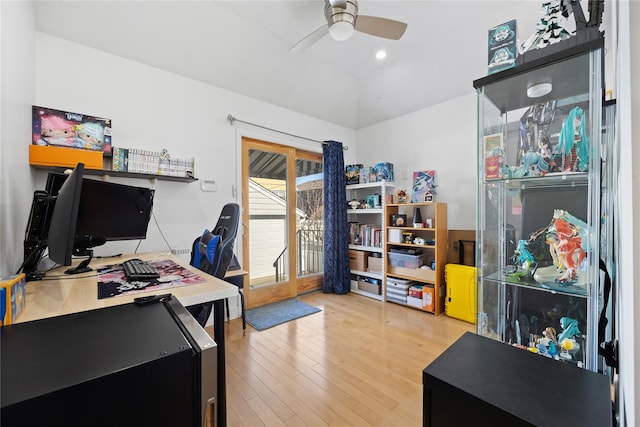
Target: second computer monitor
115	211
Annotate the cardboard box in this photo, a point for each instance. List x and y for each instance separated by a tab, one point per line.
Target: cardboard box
503	49
365	175
70	130
414	302
384	171
428	297
12	298
374	265
353	173
369	287
49	155
358	260
415	291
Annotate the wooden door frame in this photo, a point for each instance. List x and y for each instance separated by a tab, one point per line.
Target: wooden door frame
285	290
295	285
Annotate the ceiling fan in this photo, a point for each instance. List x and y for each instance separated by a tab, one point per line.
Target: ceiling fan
343	19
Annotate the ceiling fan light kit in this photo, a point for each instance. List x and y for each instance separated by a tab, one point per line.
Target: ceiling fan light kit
343	20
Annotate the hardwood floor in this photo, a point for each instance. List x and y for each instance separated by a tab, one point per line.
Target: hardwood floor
358	362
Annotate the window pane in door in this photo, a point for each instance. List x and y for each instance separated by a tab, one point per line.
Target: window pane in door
267	218
309	217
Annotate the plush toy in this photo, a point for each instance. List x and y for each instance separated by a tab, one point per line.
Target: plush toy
56	131
90	136
419	241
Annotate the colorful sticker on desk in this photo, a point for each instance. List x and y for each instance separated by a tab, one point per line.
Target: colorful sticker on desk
112	281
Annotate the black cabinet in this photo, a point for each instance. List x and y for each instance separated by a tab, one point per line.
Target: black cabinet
480	381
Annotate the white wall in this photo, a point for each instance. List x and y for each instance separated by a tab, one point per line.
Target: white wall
17	85
153	109
443	138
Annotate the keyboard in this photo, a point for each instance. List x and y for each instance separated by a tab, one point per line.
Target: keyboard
138	270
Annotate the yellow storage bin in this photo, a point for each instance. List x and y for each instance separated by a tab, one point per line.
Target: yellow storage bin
461	300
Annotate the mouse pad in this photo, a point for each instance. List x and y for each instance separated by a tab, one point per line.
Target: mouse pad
112	281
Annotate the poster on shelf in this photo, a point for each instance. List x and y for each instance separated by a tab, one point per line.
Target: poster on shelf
424	183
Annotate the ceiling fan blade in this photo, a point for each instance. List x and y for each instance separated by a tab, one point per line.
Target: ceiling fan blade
310	39
380	27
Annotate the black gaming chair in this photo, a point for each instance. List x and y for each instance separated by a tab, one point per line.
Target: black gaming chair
212	253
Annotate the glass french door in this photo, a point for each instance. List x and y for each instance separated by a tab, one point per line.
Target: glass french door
282	221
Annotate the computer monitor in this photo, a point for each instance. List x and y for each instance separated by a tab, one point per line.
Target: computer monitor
62	230
37	230
115	211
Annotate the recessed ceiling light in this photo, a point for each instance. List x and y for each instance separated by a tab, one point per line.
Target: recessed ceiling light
381	54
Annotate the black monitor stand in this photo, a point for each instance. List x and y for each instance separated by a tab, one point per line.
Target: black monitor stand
83	267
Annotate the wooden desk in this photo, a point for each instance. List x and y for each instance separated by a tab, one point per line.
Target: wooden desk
60	294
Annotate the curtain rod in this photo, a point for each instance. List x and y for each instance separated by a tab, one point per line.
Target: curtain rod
234	119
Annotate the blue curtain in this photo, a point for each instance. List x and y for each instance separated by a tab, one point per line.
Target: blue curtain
336	229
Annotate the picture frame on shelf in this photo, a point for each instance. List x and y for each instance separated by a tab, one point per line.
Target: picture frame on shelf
400	220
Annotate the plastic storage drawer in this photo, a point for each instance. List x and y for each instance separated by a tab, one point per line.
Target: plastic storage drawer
406	261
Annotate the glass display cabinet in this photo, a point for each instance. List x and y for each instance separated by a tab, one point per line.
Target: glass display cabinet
541	206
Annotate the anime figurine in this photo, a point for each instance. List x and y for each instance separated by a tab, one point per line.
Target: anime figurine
56	131
565	238
90	136
544	148
573	142
401	196
547	345
569	329
523	259
552	27
533	164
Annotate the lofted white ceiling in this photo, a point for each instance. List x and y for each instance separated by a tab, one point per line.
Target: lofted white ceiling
243	46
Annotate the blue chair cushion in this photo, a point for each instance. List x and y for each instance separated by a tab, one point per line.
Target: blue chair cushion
205	247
